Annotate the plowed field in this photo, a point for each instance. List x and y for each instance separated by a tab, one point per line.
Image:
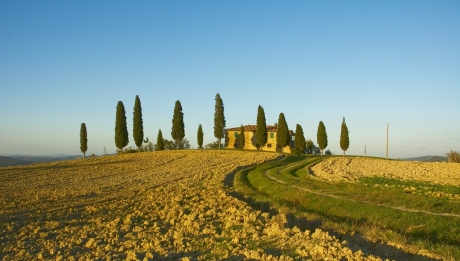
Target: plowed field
351	169
148	206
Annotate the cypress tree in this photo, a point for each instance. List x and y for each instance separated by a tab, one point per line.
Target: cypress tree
83	139
138	128
160	143
200	136
299	141
242	138
219	119
261	131
283	137
121	130
321	137
178	131
344	140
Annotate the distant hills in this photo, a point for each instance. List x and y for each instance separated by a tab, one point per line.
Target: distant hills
8	161
428	159
15	160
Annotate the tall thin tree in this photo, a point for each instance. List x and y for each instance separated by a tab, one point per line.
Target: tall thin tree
83	139
219	119
178	131
299	141
321	137
261	131
283	137
242	138
121	130
344	140
200	136
138	127
160	142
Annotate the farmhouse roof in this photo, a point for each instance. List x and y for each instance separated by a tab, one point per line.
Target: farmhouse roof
270	128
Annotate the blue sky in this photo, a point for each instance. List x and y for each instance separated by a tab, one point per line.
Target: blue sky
373	62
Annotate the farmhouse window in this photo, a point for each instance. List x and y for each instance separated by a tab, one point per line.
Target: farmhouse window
235	134
269	145
272	135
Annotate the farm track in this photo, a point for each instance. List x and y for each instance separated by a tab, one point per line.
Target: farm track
266	173
354	240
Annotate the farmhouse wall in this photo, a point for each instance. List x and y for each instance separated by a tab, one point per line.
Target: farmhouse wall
232	139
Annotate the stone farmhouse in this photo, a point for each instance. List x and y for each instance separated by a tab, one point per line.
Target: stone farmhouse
232	139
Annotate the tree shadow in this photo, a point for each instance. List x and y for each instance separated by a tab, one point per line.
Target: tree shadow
63	166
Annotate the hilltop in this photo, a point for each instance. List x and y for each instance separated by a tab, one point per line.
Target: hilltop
167	205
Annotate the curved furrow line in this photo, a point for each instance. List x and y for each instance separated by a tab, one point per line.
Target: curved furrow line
266	173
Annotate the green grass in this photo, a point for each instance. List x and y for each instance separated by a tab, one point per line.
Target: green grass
422	188
357	211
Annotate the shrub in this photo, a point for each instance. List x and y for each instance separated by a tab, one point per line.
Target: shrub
453	156
129	149
212	145
311	148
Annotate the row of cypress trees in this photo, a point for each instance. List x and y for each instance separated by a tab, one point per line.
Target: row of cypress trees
219	123
121	129
321	137
178	129
283	137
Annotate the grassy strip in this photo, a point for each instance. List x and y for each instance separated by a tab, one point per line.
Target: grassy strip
438	234
395	194
412	187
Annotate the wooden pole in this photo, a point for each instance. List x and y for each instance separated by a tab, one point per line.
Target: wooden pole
365	150
387	140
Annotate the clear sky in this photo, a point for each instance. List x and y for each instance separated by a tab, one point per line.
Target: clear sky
373	62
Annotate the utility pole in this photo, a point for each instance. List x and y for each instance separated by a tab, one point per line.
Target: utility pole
387	140
365	151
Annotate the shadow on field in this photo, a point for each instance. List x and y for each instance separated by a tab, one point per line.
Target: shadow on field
354	241
62	166
193	256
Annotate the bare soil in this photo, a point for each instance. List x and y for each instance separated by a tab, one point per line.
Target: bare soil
149	206
351	169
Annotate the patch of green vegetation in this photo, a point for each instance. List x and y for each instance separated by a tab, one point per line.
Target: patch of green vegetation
375	211
419	187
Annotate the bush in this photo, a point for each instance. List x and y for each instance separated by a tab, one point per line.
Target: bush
297	152
129	149
184	144
212	145
311	148
148	147
453	156
328	152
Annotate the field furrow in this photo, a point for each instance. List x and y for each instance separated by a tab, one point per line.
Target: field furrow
149	206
